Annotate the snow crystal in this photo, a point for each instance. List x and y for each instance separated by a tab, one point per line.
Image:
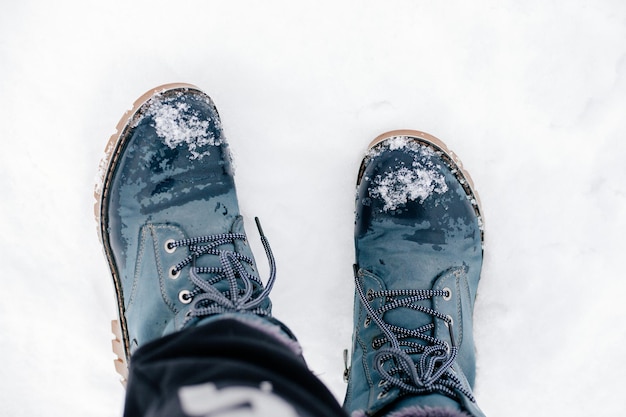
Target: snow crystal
400	142
177	124
404	184
103	167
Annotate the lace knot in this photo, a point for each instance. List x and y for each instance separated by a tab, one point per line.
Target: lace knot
229	287
412	360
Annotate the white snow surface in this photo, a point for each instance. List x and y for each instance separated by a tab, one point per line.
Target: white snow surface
530	94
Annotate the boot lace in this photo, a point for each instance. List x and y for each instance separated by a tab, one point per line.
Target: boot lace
245	291
432	370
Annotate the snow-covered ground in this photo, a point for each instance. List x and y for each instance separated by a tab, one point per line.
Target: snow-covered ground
530	94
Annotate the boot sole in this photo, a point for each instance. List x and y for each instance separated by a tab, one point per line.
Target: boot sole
449	157
112	153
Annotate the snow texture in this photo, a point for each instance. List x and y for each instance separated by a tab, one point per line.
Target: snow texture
405	184
177	124
530	94
408	184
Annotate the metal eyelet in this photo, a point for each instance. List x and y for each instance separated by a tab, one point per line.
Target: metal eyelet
370	295
382	395
449	320
449	292
368	320
185	296
173	273
168	248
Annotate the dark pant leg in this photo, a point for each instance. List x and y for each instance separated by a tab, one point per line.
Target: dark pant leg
225	353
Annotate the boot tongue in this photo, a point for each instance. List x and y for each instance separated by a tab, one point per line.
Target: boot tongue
237	246
229	226
397	277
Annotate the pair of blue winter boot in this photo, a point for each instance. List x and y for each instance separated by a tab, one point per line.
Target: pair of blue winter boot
174	239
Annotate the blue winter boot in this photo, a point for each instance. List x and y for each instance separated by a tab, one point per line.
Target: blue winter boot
419	254
170	225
